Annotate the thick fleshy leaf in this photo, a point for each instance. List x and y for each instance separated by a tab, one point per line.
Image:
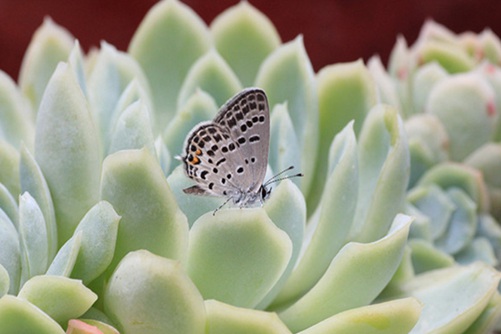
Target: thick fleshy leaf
112	73
462	224
199	107
76	62
66	257
150	294
33	238
8	204
212	74
244	37
489	228
60	297
452	175
428	144
393	317
383	160
492	74
10	251
20	316
327	234
163	155
346	283
133	130
491	46
227	319
401	65
486	322
435	204
4	281
192	206
49	45
464	99
33	182
468	288
99	233
17	123
425	257
283	141
166	44
287	76
237	255
135	185
67	150
451	58
386	88
9	173
423	82
287	210
479	249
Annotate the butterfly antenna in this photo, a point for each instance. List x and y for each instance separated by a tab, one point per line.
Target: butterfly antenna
214	213
276	177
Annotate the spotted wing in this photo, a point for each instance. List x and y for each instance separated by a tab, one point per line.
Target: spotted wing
246	117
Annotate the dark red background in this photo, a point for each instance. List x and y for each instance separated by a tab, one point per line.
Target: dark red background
334	30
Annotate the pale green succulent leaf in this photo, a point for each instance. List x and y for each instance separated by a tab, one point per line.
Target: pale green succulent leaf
468	288
401	65
66	257
99	233
490	45
423	82
244	37
283	151
163	154
20	316
4	281
492	74
464	99
212	74
111	75
286	75
135	185
60	297
76	62
428	144
150	294
32	238
237	255
9	173
33	182
452	58
436	32
49	45
168	41
345	92
327	234
479	249
386	86
286	208
133	130
486	322
384	163
421	227
228	319
8	205
489	228
425	257
66	144
462	224
192	206
487	160
199	107
392	317
10	252
345	284
16	117
435	204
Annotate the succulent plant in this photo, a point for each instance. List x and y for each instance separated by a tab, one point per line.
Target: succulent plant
97	235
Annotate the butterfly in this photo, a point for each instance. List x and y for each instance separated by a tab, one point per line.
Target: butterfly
228	156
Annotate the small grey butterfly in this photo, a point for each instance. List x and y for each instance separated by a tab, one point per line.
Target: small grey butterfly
228	156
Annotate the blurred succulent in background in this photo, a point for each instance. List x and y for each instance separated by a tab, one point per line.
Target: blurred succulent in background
94	224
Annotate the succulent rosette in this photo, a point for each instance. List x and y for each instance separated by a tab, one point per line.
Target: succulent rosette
97	235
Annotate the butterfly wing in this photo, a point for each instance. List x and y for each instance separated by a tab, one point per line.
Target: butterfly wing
247	118
229	155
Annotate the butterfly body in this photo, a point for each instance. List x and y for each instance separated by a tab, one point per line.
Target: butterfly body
227	157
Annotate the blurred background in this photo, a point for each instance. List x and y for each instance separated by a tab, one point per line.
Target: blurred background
334	30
